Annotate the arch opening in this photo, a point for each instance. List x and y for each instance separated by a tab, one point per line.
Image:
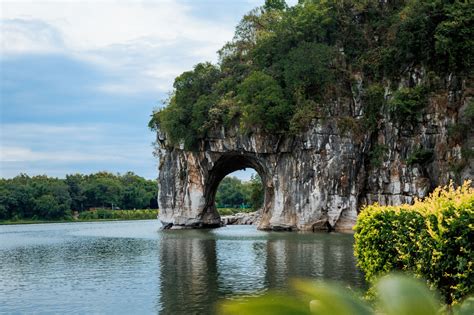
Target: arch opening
229	164
239	191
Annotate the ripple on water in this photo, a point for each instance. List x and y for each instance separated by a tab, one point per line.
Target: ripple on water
132	267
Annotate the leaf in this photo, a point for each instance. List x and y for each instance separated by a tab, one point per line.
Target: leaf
400	295
466	308
331	299
271	304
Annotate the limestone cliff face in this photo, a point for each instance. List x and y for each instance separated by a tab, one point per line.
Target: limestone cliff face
397	181
310	180
320	178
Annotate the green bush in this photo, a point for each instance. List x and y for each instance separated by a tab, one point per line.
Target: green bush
136	214
303	116
432	239
374	100
457	132
349	125
227	211
455	36
306	69
88	215
407	103
378	154
232	211
420	156
108	214
263	103
185	118
469	111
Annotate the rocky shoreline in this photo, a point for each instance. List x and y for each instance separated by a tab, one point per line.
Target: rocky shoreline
241	218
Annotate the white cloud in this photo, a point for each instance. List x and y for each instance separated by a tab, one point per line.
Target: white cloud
20	132
136	46
146	44
29	36
23	154
95	24
85	141
49	148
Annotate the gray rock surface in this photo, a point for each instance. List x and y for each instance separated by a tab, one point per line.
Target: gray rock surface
322	177
251	218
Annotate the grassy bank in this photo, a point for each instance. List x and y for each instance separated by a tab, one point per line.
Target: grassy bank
95	215
31	221
106	214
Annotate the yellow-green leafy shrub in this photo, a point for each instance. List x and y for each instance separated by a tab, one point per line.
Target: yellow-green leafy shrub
433	238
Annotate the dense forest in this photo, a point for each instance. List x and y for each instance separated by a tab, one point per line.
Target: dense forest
288	65
43	197
234	193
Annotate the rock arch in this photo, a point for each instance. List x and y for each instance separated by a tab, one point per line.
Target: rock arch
309	180
231	162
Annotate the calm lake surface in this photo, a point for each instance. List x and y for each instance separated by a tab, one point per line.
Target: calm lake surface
131	267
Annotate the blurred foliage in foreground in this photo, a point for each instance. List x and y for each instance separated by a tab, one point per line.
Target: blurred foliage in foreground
395	295
433	238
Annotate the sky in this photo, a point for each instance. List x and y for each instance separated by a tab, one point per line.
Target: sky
80	79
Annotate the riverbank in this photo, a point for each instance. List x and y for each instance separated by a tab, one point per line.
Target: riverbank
19	222
231	216
93	216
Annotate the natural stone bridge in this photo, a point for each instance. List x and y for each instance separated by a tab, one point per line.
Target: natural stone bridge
308	180
313	181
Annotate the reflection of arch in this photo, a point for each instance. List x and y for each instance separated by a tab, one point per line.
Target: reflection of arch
199	267
229	163
188	272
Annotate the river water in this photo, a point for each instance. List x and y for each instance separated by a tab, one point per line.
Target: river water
131	267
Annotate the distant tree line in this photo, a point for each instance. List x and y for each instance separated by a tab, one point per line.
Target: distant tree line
43	197
234	193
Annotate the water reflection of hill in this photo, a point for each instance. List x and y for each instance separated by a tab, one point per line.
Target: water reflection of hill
201	267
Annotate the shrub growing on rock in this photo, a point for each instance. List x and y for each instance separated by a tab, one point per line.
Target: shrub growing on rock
432	238
407	103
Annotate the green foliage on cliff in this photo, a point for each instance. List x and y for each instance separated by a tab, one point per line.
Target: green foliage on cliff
288	65
432	239
374	100
378	154
420	156
407	103
186	116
